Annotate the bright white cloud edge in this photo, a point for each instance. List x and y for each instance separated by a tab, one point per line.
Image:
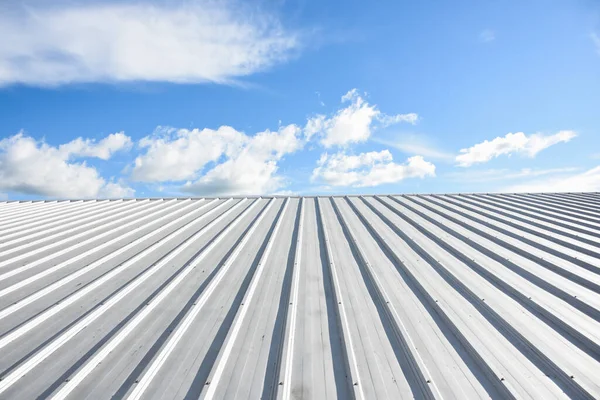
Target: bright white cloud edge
33	167
253	169
368	169
237	163
184	42
354	123
512	143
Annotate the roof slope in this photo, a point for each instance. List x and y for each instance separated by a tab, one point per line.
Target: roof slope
388	297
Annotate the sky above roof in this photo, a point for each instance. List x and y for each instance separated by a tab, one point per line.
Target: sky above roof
214	98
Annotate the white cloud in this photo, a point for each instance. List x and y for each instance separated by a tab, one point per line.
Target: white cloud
350	96
202	41
33	167
319	97
368	169
115	190
596	39
175	155
415	145
244	164
226	161
387	120
353	124
104	149
487	35
588	181
349	125
511	143
254	169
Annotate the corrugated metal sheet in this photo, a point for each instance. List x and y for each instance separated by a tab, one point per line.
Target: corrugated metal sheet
374	297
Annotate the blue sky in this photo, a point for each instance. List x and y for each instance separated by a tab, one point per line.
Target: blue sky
210	98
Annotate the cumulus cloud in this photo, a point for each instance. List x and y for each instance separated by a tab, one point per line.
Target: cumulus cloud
588	181
226	161
114	190
352	124
178	154
368	169
89	148
33	167
244	164
512	143
202	41
253	170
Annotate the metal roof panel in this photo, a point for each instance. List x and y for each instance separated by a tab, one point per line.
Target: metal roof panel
427	296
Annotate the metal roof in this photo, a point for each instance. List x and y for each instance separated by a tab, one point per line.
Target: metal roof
387	297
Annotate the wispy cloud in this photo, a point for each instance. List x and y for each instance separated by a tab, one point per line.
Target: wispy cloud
185	42
510	144
588	181
596	40
415	146
321	102
487	36
503	174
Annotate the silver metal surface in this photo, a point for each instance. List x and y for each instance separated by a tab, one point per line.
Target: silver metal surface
367	297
